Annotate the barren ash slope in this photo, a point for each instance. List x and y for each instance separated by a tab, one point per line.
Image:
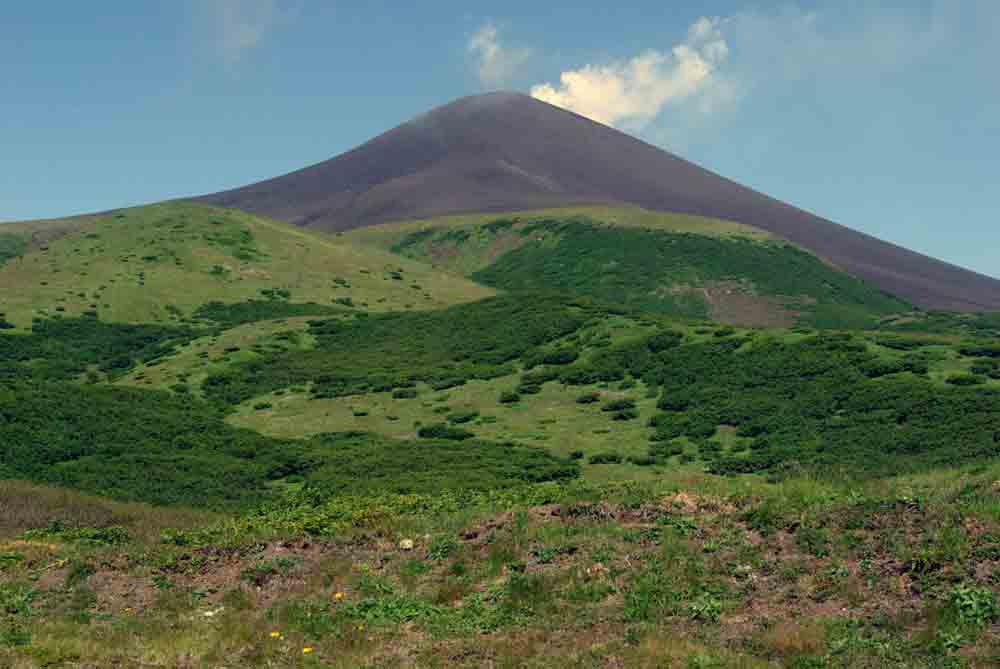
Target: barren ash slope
507	152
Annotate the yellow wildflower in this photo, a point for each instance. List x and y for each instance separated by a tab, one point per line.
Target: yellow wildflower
307	650
275	635
338	596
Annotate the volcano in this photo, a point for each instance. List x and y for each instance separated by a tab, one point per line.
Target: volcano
504	152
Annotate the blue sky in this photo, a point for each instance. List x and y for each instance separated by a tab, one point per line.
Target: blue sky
885	119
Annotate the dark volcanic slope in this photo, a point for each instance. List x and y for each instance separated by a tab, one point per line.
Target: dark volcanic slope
507	151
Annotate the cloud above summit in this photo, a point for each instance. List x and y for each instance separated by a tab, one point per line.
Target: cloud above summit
241	25
495	63
722	60
635	91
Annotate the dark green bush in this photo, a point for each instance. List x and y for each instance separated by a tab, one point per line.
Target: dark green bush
965	380
63	348
252	311
824	403
460	417
562	356
443	348
605	458
619	405
664	341
444	431
509	397
981	351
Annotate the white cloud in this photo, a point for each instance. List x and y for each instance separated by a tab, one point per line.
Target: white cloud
494	62
241	25
636	91
723	60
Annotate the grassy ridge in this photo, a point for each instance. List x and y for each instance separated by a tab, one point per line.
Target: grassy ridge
162	262
692	271
481	246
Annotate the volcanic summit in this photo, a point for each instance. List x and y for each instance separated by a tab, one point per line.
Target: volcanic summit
504	152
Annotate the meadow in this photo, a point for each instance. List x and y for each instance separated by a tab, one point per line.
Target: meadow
306	461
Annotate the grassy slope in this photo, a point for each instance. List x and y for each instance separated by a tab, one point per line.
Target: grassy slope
473	258
218	352
689	571
658	262
669	567
138	264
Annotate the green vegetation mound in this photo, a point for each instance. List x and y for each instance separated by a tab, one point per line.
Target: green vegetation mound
67	347
252	311
163	262
168	449
690	274
381	352
11	246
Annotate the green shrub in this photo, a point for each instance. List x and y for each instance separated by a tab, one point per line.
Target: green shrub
443	348
509	397
441	548
252	311
588	398
705	608
813	540
974	606
562	356
64	348
460	417
965	380
664	341
444	431
12	246
605	458
619	405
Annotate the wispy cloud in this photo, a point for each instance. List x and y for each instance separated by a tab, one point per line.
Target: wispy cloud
634	92
724	59
494	62
241	25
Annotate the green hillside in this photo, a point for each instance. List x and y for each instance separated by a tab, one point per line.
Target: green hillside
679	265
163	262
534	440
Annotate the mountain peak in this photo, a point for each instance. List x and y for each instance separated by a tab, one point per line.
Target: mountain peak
505	151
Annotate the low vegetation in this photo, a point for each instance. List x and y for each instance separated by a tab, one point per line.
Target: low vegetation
331	471
381	352
684	271
161	263
11	246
